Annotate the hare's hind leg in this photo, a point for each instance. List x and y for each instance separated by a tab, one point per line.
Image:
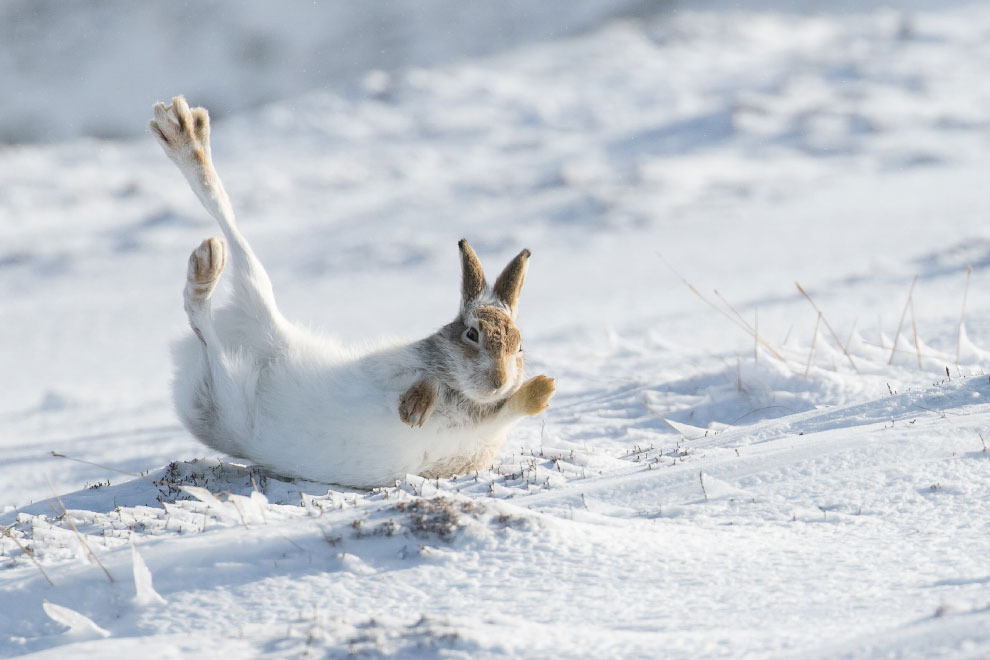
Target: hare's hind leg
184	134
219	411
205	265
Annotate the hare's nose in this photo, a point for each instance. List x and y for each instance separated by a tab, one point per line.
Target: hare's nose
499	376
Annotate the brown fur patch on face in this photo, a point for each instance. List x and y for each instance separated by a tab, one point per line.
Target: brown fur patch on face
502	339
501	336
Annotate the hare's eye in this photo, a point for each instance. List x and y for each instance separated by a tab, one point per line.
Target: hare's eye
472	334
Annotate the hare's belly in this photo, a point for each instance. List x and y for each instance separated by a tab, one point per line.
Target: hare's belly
357	442
364	446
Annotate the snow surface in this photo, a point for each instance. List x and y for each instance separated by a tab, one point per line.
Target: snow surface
821	494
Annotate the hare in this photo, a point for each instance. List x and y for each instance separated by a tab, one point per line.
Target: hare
255	386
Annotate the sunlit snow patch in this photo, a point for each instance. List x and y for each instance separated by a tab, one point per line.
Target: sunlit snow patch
77	623
146	594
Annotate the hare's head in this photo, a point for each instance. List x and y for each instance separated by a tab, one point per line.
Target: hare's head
486	358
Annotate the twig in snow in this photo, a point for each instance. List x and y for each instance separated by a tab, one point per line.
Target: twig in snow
756	410
901	323
701	478
102	467
943	413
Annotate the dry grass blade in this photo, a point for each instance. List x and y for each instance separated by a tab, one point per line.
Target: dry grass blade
119	471
230	498
82	541
814	339
852	332
26	553
962	313
904	351
741	322
756	335
897	334
102	467
738	321
264	516
914	328
835	337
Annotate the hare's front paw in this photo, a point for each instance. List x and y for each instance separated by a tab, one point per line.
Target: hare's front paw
183	132
534	395
205	265
416	404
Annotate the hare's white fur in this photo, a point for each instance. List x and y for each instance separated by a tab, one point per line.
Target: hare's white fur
253	385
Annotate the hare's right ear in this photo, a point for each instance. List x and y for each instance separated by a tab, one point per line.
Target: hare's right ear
472	277
509	283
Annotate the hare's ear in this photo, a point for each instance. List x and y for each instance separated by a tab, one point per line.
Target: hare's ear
472	277
509	283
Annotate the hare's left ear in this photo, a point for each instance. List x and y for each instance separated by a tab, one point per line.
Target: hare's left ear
472	277
509	283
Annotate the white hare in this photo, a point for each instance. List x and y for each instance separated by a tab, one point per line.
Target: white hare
253	385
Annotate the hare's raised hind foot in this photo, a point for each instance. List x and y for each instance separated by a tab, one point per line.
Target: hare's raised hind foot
205	265
534	395
183	132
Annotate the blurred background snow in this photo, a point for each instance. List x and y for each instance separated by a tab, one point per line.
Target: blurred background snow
93	67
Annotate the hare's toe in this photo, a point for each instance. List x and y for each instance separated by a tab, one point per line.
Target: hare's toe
534	396
205	265
183	132
416	404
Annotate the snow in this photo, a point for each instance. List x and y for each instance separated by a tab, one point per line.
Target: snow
145	590
76	622
708	481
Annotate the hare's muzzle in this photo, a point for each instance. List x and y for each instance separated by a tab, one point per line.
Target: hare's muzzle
499	376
